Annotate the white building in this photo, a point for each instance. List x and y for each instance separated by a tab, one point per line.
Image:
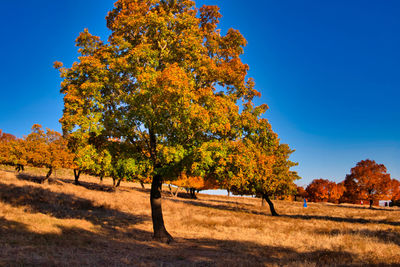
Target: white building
384	203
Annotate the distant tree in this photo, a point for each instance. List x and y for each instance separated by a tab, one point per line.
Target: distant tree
367	181
8	144
46	149
260	166
394	191
318	190
300	193
194	184
323	190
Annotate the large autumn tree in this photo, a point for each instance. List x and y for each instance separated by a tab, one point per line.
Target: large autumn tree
368	180
168	86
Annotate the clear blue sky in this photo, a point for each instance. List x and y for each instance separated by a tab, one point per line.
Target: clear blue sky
329	70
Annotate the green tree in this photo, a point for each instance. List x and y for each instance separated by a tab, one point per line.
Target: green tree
167	85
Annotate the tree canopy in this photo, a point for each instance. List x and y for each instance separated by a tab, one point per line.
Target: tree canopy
368	180
172	89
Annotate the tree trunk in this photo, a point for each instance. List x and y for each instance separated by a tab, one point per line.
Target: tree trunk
229	192
142	184
160	233
170	190
271	205
77	173
19	168
370	203
193	193
101	178
114	179
118	182
46	179
176	191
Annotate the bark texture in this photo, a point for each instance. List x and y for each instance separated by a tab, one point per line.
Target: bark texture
160	233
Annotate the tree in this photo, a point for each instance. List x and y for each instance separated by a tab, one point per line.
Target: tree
300	193
322	190
367	181
7	144
318	190
46	149
394	191
193	184
259	165
168	85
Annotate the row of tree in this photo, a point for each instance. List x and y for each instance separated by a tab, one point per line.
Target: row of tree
367	182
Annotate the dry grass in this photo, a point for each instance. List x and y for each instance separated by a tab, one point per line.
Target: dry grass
63	224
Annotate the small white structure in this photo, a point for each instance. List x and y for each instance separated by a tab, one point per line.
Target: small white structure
384	203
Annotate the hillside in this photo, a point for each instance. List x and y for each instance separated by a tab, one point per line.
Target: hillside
63	224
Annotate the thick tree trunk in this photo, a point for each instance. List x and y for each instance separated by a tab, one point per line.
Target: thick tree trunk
77	173
271	205
160	233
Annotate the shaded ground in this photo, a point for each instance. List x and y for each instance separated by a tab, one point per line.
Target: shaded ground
61	224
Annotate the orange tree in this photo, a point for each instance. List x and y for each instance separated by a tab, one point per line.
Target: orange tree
8	144
394	191
168	85
367	181
322	190
46	149
300	193
193	184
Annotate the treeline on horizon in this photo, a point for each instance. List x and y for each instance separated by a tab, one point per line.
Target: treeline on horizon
367	183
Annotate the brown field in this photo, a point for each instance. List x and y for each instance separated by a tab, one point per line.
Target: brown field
66	225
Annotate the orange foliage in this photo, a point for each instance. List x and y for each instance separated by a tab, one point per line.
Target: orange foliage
395	190
322	190
367	181
197	182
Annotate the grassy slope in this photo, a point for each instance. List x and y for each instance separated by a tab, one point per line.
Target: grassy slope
63	224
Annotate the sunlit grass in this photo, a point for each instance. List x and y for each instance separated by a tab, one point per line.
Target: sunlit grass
63	224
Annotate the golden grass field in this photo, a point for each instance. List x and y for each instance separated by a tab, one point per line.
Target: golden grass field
67	225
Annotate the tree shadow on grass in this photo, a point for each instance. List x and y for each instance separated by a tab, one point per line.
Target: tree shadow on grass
386	236
242	208
91	186
340	219
65	206
75	246
31	178
366	208
238	208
